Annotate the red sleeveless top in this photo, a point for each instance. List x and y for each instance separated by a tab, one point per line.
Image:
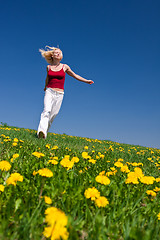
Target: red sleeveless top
56	78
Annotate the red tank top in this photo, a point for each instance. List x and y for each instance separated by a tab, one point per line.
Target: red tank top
56	79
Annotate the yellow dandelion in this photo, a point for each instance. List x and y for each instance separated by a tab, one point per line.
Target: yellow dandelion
101	173
147	180
34	173
75	159
57	222
14	178
110	173
138	172
85	155
15	156
15	139
14	144
103	180
132	178
101	202
150	192
92	161
156	189
112	168
92	193
118	164
48	146
38	154
66	163
45	172
125	169
54	162
158	215
54	148
47	200
5	166
86	147
1	188
120	160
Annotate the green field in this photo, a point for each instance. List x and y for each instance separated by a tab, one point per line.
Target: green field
67	187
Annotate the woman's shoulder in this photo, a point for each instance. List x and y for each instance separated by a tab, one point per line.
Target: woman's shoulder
48	67
64	66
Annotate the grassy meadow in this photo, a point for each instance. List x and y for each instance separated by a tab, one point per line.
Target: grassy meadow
67	187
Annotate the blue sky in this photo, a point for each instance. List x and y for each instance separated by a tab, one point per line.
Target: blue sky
114	43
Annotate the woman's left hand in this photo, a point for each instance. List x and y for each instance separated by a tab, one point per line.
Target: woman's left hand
90	82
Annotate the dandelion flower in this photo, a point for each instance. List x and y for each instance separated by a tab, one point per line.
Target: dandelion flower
132	178
92	161
48	146
86	147
110	173
156	189
45	172
14	144
150	192
112	168
118	164
102	173
92	193
101	202
125	169
47	200
147	180
85	155
34	173
66	163
75	159
15	139
103	180
57	222
15	156
14	178
1	188
120	160
38	154
5	166
138	172
54	162
158	215
54	147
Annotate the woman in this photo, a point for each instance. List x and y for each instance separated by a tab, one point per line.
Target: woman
54	87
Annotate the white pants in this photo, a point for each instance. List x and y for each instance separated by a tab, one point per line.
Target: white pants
52	104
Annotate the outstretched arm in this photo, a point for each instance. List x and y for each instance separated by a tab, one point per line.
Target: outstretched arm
76	76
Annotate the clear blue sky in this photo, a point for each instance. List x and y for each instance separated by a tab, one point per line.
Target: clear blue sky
115	43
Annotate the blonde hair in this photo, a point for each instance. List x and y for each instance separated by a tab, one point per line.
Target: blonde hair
47	54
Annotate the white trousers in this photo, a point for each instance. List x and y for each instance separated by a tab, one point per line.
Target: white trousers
52	105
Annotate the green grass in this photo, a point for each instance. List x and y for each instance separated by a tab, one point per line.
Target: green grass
130	215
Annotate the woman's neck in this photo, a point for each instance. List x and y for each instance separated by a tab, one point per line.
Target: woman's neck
55	63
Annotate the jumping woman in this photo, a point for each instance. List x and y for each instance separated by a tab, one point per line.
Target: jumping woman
54	87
